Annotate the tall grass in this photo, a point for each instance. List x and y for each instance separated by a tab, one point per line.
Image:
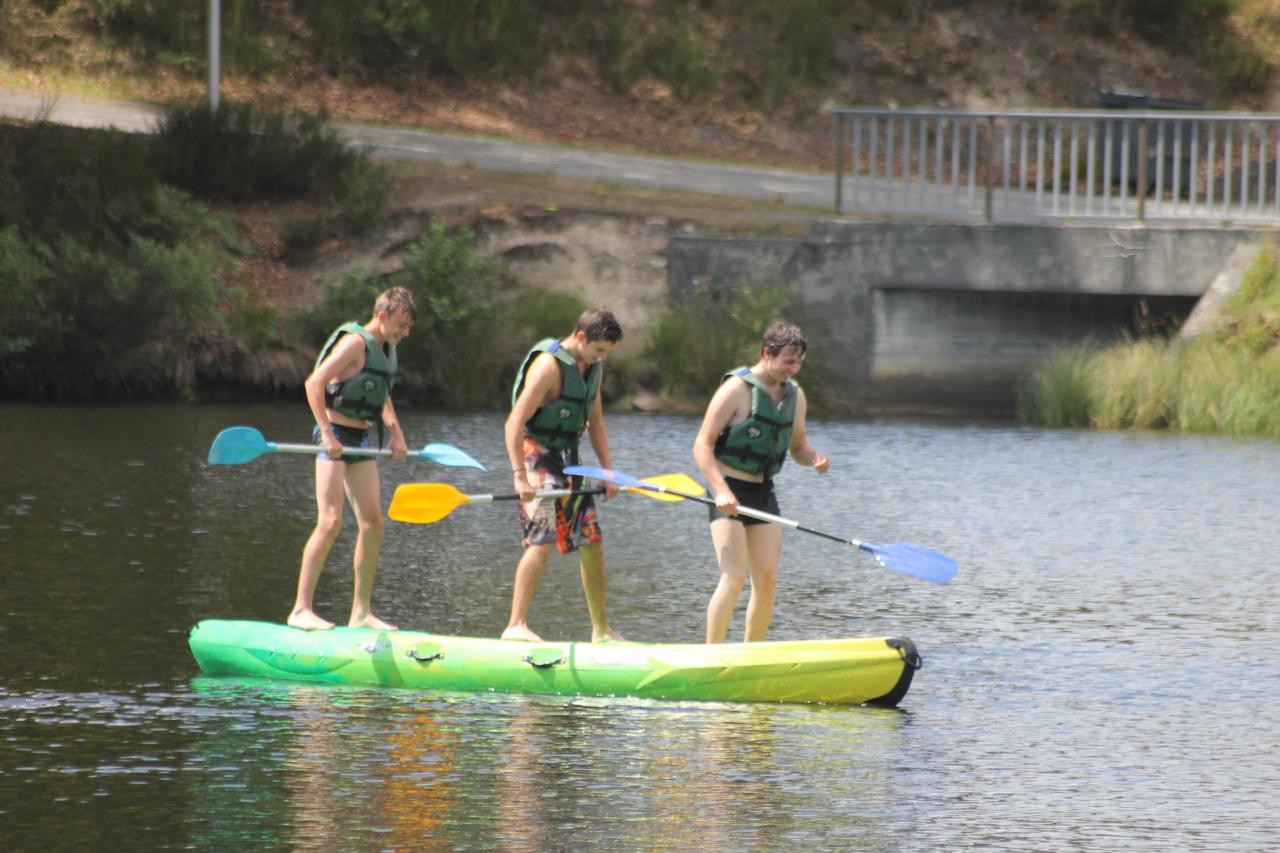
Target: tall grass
1226	381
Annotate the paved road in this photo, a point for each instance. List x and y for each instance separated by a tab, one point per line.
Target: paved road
793	188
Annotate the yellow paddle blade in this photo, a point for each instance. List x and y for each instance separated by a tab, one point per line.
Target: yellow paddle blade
677	482
424	503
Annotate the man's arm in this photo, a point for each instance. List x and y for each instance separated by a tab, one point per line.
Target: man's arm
343	360
599	438
399	447
542	380
801	451
724	406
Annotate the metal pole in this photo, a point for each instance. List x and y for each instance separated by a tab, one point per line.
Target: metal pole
1142	169
991	168
840	141
215	51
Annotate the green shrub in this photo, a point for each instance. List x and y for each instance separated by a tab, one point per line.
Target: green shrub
113	325
252	323
236	153
692	345
301	234
174	33
359	192
454	355
678	54
392	39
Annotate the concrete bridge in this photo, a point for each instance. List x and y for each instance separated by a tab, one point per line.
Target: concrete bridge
948	317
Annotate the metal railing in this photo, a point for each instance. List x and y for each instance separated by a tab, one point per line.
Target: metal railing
1033	165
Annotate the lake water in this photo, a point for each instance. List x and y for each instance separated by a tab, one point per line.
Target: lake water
1102	674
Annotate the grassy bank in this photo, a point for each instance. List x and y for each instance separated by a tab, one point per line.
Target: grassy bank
1225	380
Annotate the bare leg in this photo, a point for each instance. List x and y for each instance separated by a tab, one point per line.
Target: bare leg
764	544
730	543
528	573
316	551
362	491
593	584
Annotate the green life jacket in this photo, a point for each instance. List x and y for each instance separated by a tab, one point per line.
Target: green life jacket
364	394
759	444
559	424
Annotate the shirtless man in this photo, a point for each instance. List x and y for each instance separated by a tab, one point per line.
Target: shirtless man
754	419
555	399
348	391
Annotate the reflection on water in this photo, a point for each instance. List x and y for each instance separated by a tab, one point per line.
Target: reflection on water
1096	677
328	768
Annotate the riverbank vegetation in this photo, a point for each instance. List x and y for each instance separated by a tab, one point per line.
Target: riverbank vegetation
1223	380
134	272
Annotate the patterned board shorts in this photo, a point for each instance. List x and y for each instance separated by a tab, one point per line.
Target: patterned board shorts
569	522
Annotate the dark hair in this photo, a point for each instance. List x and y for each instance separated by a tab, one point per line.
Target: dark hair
781	335
599	324
396	299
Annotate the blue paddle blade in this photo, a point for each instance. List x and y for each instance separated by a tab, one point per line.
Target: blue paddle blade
914	560
447	454
237	445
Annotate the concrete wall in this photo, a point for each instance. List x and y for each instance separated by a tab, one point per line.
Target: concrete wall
949	317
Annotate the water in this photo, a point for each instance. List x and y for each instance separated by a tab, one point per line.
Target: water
1101	675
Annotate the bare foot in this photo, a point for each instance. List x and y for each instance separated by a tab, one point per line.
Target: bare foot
609	634
520	632
371	621
308	621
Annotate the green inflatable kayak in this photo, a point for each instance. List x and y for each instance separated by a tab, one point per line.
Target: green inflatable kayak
861	670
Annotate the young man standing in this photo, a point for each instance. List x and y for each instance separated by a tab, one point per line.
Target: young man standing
556	397
755	417
348	391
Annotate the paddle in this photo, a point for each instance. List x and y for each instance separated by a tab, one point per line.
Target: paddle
240	444
426	503
915	560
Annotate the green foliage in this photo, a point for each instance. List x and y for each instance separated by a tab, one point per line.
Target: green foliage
464	348
301	234
360	191
173	33
110	325
692	345
532	314
251	323
237	153
1228	381
678	54
384	37
612	44
106	278
24	272
452	357
1175	21
794	44
1057	393
91	185
462	39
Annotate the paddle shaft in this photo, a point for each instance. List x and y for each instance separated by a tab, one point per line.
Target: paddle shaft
764	516
551	493
317	450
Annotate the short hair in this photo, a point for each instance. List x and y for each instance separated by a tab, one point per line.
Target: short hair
396	299
781	335
599	324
